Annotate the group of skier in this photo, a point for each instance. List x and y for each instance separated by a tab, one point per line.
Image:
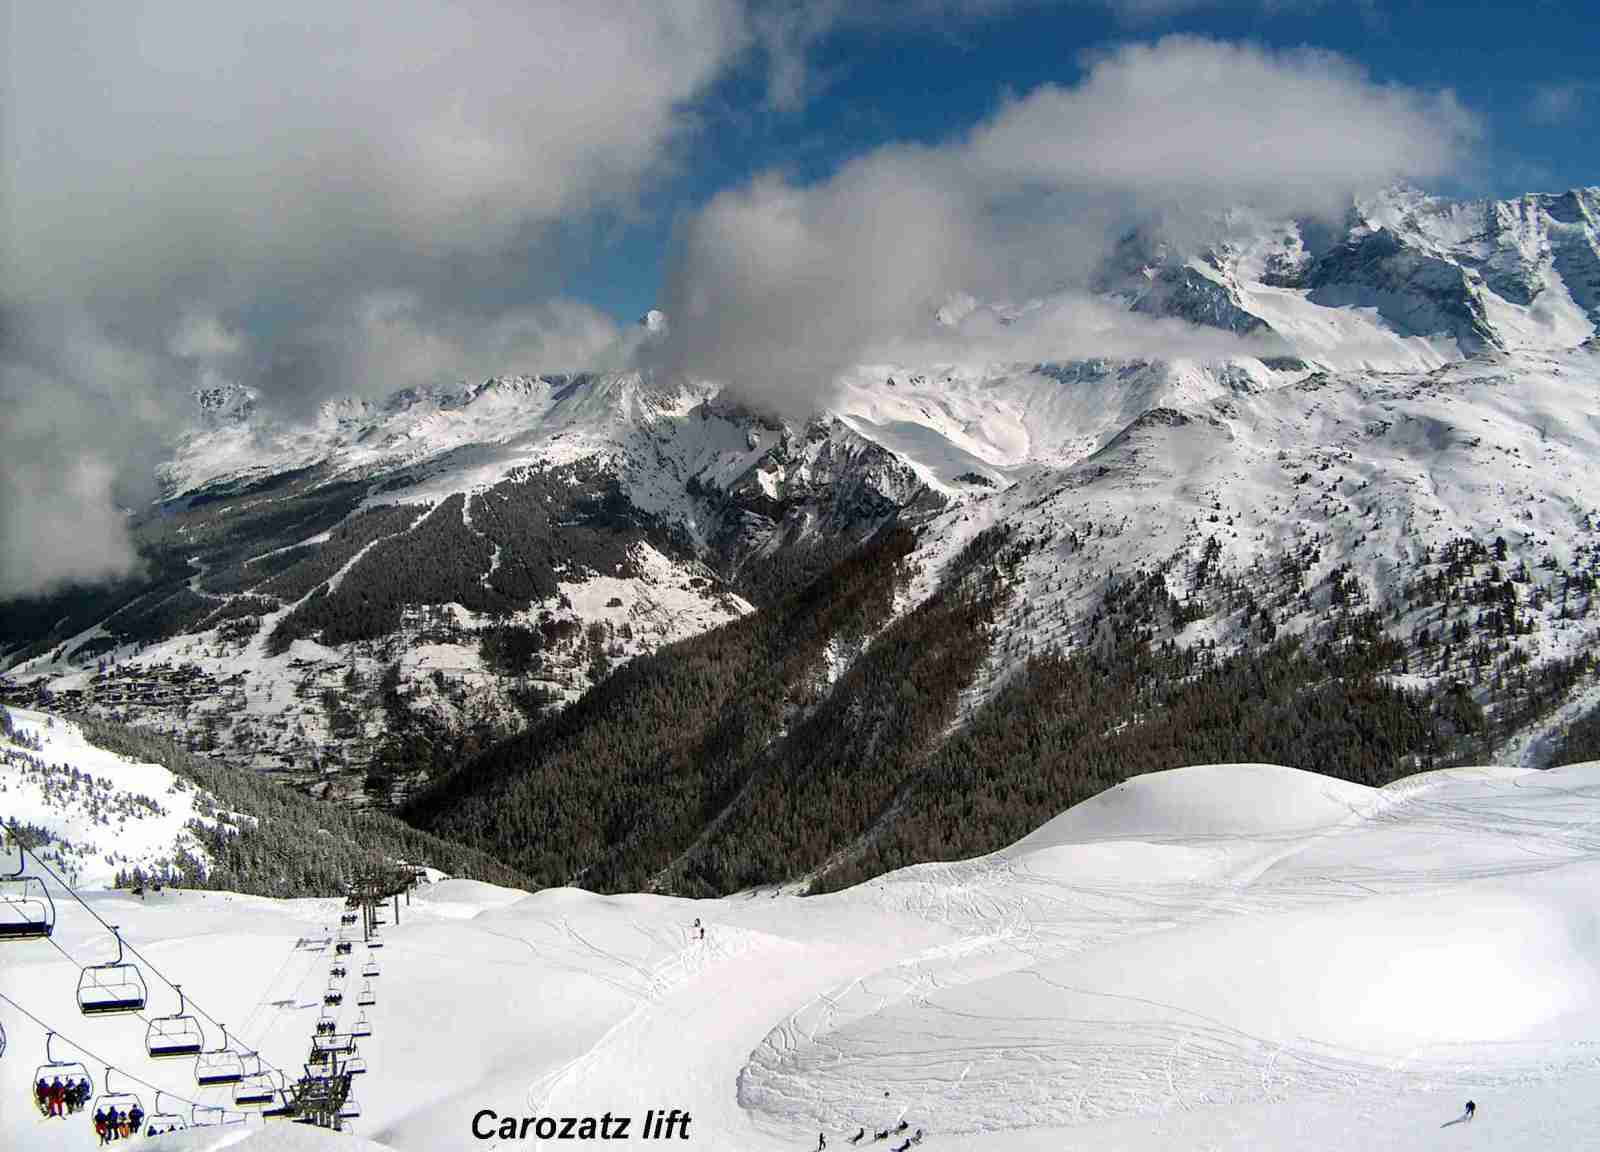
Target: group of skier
881	1134
58	1099
115	1124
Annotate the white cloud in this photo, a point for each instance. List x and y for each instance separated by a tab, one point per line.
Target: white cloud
775	287
309	197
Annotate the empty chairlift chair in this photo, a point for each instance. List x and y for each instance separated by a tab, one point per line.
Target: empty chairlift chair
169	1037
164	1120
370	970
69	1072
110	1103
111	988
282	1104
220	1065
26	910
367	997
362	1026
257	1087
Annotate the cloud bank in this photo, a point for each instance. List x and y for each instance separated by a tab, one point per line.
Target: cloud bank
312	200
307	197
774	287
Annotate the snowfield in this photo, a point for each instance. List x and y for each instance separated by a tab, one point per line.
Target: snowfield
1225	956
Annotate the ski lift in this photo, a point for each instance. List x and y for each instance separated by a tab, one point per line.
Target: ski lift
176	1035
334	996
161	1121
111	988
367	997
256	1087
26	910
370	969
109	1101
219	1065
363	1026
338	972
374	941
342	948
355	1064
351	1108
67	1071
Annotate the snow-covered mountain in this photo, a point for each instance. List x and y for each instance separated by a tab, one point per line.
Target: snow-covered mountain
1421	373
1236	955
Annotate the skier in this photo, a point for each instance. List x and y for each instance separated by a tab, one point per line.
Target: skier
906	1147
901	1127
881	1134
822	1141
917	1138
860	1135
1471	1110
135	1118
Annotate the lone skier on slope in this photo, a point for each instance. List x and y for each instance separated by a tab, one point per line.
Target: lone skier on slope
860	1135
1471	1110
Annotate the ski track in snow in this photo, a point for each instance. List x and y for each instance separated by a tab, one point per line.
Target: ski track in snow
1222	956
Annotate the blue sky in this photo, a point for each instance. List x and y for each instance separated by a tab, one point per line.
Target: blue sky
1531	73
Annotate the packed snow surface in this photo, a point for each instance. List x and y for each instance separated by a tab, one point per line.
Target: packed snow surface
1225	956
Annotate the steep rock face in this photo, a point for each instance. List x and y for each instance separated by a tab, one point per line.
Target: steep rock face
1417	294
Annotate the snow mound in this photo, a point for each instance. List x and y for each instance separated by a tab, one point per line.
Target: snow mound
1205	801
279	1138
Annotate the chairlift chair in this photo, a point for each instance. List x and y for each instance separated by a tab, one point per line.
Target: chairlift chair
67	1071
370	969
350	1109
113	987
338	1042
342	948
282	1105
219	1065
363	1026
109	1101
367	997
162	1121
257	1087
333	997
374	941
168	1037
354	1065
26	910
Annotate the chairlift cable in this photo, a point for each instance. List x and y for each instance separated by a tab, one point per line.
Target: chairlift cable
93	1058
116	933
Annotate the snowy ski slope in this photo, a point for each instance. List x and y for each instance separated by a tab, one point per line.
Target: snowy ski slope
1228	956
